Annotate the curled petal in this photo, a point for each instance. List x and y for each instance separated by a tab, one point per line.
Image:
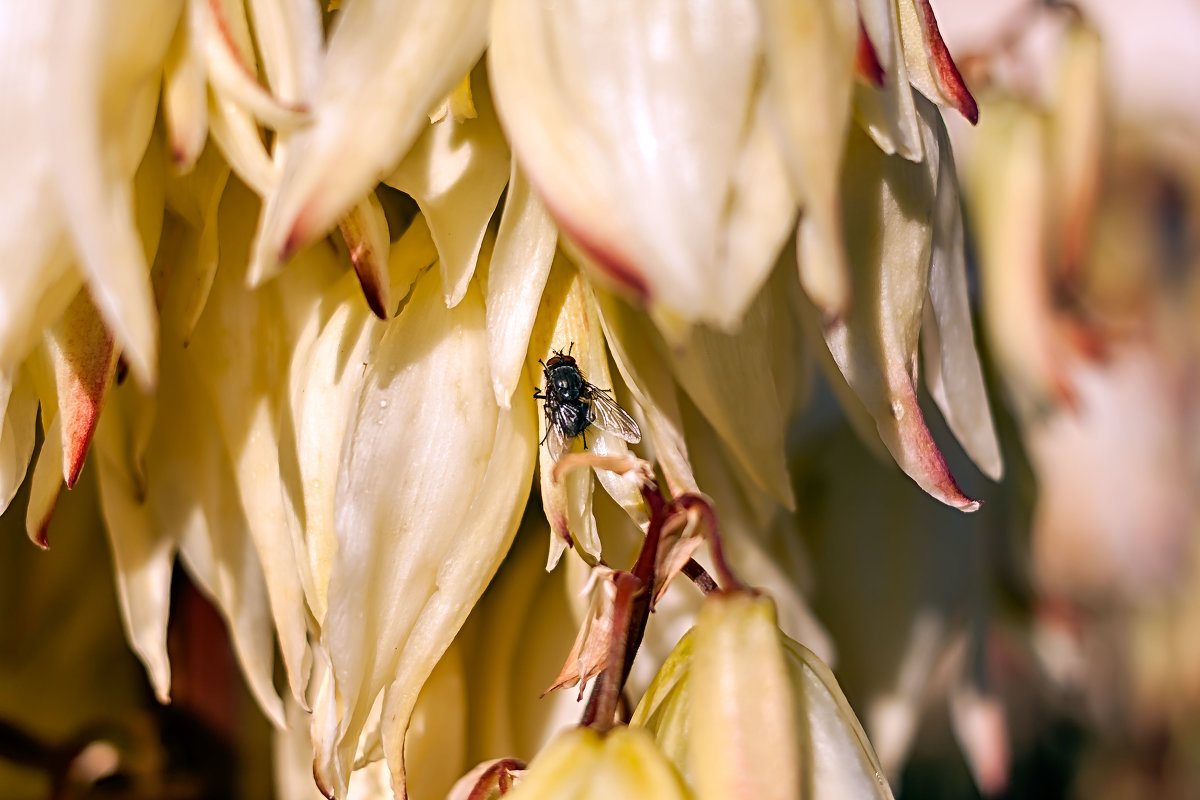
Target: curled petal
636	123
456	171
888	205
387	65
952	370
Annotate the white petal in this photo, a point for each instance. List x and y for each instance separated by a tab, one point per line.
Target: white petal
952	370
386	66
888	205
105	81
516	276
810	56
456	172
888	112
142	556
630	120
433	481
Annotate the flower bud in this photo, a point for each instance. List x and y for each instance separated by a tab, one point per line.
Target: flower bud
745	712
584	763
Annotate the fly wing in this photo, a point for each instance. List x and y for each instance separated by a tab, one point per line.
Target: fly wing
557	443
608	416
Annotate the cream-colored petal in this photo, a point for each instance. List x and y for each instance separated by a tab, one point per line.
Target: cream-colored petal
290	36
326	375
240	351
841	758
810	47
627	333
18	415
952	370
232	77
888	112
432	484
456	171
46	483
931	68
630	120
1008	191
105	81
744	736
516	276
236	133
142	556
185	92
888	206
385	68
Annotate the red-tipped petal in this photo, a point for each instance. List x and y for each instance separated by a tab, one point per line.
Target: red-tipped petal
866	60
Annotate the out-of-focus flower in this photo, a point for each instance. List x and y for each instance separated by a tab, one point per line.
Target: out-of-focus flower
744	711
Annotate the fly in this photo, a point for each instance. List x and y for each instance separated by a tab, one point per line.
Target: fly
572	404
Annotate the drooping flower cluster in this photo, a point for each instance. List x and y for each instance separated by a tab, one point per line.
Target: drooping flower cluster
331	252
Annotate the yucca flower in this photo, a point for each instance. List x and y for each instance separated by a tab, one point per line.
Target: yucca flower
334	307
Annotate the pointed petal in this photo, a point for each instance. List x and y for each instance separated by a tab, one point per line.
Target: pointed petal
185	93
325	378
931	68
231	77
810	48
456	172
84	364
418	538
952	370
46	484
631	120
385	67
142	556
239	351
888	112
517	274
626	332
99	64
18	418
888	205
365	231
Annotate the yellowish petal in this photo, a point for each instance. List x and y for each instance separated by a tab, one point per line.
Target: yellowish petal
386	66
456	171
417	539
888	206
517	274
952	370
631	120
810	47
18	417
105	84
